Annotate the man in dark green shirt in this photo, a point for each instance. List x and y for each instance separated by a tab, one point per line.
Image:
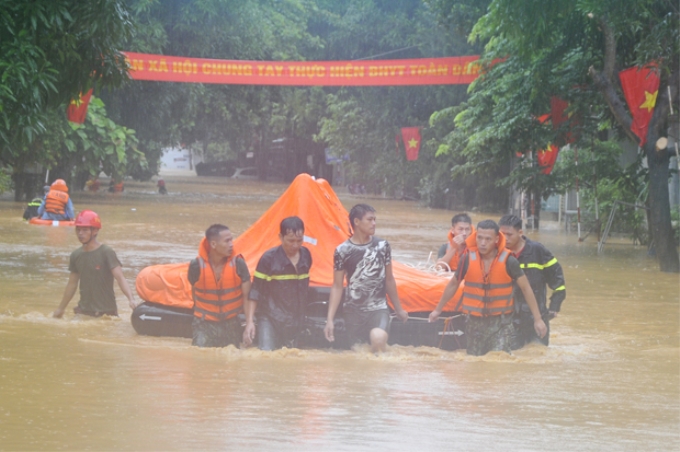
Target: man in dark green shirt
95	266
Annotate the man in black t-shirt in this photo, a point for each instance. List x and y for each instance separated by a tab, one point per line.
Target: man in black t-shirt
94	266
542	270
366	261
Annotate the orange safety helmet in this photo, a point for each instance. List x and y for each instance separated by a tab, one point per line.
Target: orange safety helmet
88	219
59	185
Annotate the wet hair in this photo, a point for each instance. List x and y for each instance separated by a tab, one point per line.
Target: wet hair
488	224
461	218
291	224
214	231
359	211
511	220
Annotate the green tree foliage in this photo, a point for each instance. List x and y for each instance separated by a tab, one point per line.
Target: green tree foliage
364	121
78	152
50	51
211	118
573	50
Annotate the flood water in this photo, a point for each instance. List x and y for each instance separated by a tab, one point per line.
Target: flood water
610	381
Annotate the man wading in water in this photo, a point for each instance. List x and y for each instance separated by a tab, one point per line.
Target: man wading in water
279	291
95	266
367	262
541	269
220	283
489	270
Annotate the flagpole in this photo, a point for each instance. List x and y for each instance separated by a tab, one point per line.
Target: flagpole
677	153
578	204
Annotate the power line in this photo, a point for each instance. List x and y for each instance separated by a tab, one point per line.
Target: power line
387	53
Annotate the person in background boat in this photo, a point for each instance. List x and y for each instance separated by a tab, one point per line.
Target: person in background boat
93	266
220	282
541	269
279	290
93	184
461	228
161	187
366	260
489	270
31	210
57	205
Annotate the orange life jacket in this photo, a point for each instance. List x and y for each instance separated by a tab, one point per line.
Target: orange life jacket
55	202
487	294
453	263
217	300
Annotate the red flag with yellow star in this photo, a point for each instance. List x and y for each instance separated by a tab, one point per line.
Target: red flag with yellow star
77	109
640	86
547	158
411	137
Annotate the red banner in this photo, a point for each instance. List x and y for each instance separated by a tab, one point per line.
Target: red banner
640	86
411	137
424	71
77	109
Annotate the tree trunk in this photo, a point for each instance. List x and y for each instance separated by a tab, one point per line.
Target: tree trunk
659	210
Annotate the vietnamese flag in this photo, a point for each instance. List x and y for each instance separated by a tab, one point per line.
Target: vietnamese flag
411	137
77	109
640	86
547	158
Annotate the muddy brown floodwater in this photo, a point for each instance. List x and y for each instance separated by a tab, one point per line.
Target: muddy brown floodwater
610	381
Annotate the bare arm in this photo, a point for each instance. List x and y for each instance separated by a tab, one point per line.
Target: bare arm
249	331
122	283
333	303
69	292
391	288
449	292
446	258
529	297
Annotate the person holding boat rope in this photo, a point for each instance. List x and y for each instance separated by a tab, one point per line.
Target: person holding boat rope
453	249
279	290
489	271
366	261
220	282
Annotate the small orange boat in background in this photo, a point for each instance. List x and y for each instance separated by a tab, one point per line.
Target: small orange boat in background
41	222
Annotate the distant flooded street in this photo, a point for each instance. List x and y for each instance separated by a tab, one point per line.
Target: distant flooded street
610	380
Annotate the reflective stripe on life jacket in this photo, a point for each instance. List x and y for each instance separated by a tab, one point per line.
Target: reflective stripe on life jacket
490	294
55	202
217	300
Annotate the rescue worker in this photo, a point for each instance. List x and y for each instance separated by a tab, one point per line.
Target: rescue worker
541	269
279	291
366	260
489	270
93	266
31	210
220	282
57	205
453	249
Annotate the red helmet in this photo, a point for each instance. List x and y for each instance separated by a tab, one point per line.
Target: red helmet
88	219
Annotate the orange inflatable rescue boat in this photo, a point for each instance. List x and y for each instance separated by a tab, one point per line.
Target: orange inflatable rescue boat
168	306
